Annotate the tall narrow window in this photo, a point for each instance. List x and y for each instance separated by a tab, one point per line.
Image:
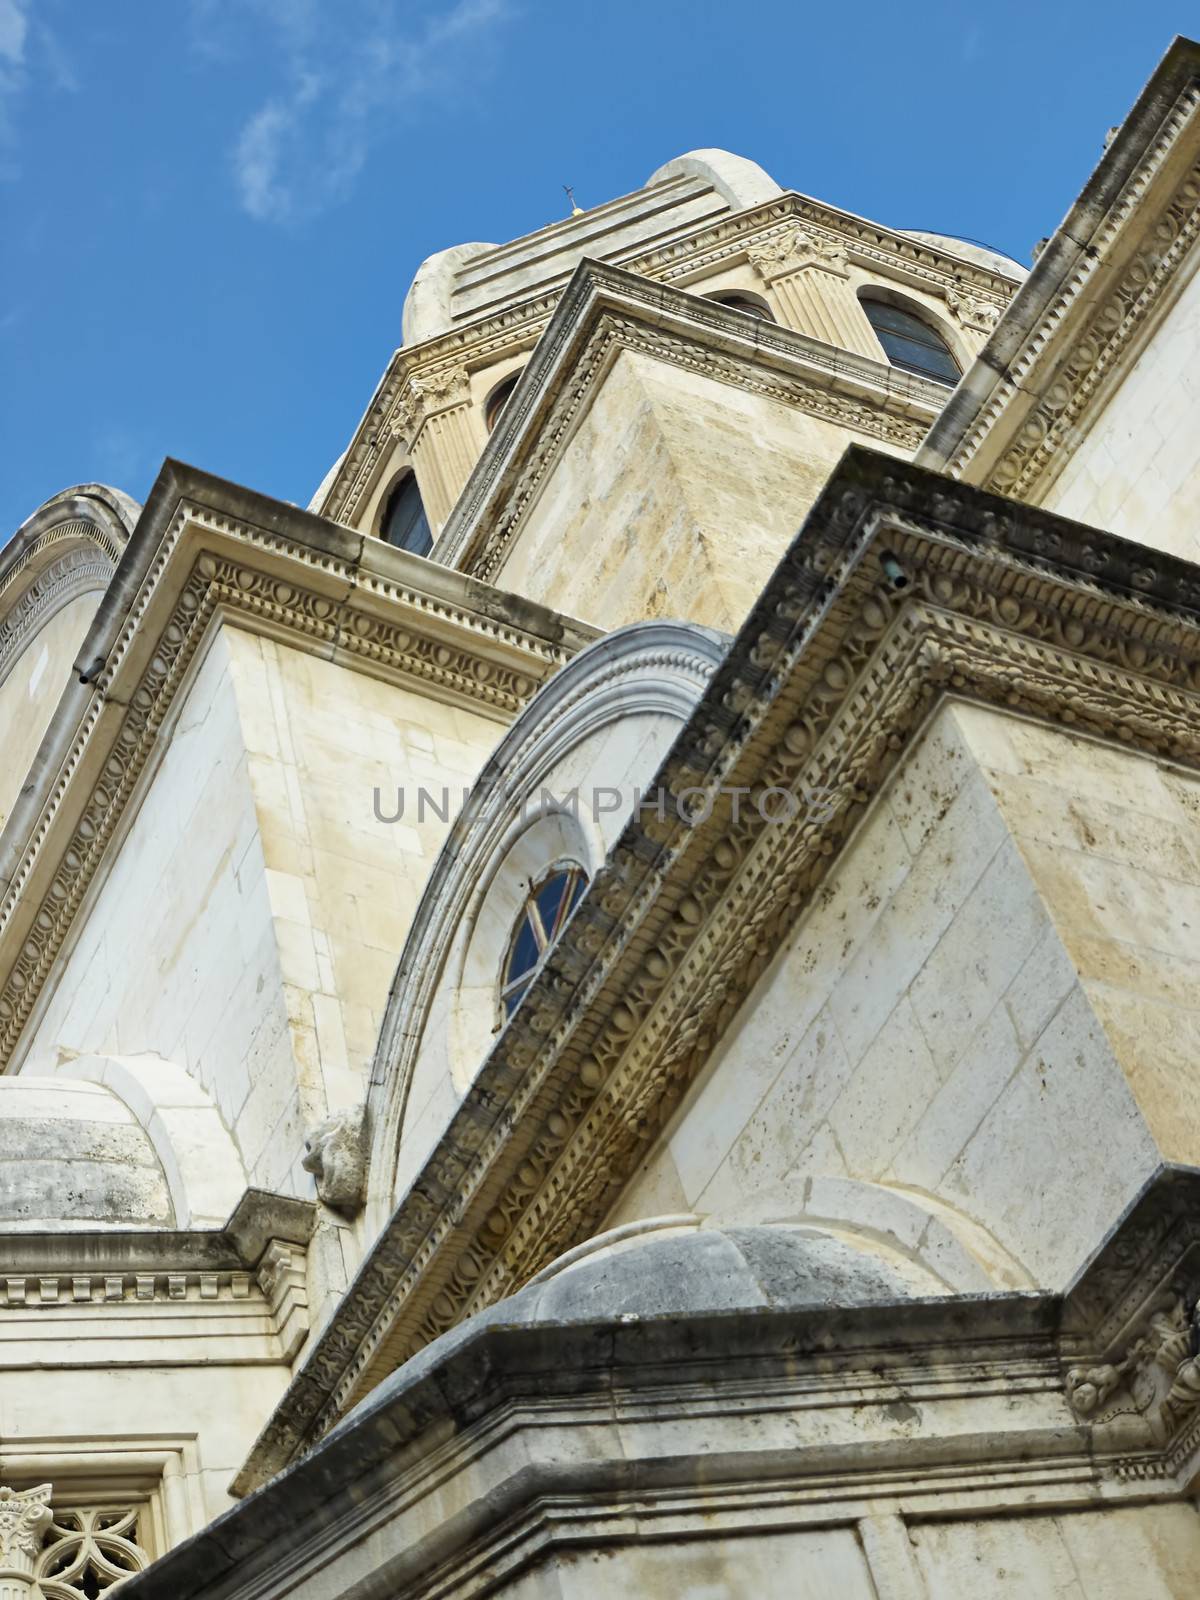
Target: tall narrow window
543	916
404	522
909	343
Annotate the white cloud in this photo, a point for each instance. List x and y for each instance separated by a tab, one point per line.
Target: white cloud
14	32
17	35
14	29
347	73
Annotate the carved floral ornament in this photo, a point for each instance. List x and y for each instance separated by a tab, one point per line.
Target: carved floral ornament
830	677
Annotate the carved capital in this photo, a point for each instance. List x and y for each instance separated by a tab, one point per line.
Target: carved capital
972	311
794	250
24	1518
424	396
335	1154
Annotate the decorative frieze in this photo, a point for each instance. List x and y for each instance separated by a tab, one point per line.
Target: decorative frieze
1092	318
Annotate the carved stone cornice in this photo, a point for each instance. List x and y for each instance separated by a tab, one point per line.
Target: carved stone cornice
248	1276
206	551
606	310
890	254
832	675
1100	284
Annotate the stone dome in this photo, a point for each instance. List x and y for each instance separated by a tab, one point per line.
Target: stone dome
979	255
74	1156
681	1267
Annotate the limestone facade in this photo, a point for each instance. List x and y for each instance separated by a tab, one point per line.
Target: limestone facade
651	1047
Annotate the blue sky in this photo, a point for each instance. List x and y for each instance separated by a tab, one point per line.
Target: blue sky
212	208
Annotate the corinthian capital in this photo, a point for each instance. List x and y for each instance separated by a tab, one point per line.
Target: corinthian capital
24	1518
426	394
972	311
797	248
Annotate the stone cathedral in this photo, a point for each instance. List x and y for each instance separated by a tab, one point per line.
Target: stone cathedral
614	1007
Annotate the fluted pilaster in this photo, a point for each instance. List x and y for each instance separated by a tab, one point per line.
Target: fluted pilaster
435	420
812	284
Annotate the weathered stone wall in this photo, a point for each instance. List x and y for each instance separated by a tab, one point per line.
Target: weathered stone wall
250	926
211	1406
1150	1552
675	498
1000	971
343	885
1136	469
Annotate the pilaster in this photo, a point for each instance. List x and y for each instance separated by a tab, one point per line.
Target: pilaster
811	279
435	419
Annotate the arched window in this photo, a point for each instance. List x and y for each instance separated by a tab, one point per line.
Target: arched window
404	522
909	343
750	304
498	399
543	916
